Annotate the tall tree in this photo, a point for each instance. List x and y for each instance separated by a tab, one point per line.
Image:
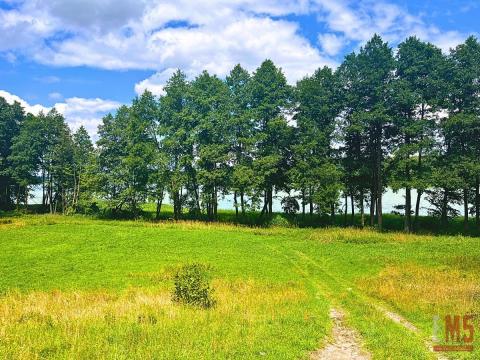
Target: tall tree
242	140
463	123
318	105
416	97
208	104
352	131
84	166
11	118
177	141
126	151
25	157
270	101
368	75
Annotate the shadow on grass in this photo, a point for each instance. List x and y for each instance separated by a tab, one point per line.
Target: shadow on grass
391	222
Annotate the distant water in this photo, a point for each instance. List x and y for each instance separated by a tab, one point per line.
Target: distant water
390	200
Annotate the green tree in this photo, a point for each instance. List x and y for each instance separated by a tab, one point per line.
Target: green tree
416	96
176	132
242	140
318	105
366	77
83	168
461	127
270	101
209	97
11	118
126	153
25	157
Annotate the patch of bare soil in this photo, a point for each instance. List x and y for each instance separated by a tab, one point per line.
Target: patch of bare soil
344	344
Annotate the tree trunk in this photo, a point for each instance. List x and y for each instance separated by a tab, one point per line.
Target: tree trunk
265	203
419	192
477	202
215	202
465	210
332	213
43	189
176	205
159	206
303	201
270	200
444	216
379	185
50	194
352	205
310	200
408	209
362	210
235	203
18	197
346	210
373	202
74	190
242	202
417	208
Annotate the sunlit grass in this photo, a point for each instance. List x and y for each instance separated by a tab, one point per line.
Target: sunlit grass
249	319
75	287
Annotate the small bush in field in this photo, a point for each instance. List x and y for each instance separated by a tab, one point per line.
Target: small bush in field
192	286
280	221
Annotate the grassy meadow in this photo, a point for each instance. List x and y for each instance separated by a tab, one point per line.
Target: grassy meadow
74	287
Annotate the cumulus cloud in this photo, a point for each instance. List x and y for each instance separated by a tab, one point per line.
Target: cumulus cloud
193	36
86	112
154	83
77	111
331	44
11	98
359	21
197	35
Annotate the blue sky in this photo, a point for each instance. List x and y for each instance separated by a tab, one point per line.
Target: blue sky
86	57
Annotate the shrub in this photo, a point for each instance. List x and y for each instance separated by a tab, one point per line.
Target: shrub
280	221
192	286
290	205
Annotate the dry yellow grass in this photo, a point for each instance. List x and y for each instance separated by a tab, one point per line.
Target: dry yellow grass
77	321
356	235
432	290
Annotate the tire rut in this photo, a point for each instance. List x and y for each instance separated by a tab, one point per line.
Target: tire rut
344	344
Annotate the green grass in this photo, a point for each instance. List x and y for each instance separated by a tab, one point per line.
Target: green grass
75	287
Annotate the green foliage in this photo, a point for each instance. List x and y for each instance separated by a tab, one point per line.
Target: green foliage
400	120
11	119
278	220
290	205
192	286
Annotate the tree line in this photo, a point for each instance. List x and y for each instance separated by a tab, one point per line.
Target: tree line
407	119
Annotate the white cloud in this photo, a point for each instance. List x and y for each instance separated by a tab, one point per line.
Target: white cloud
55	96
86	112
77	111
331	43
11	98
213	35
196	35
359	21
154	83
